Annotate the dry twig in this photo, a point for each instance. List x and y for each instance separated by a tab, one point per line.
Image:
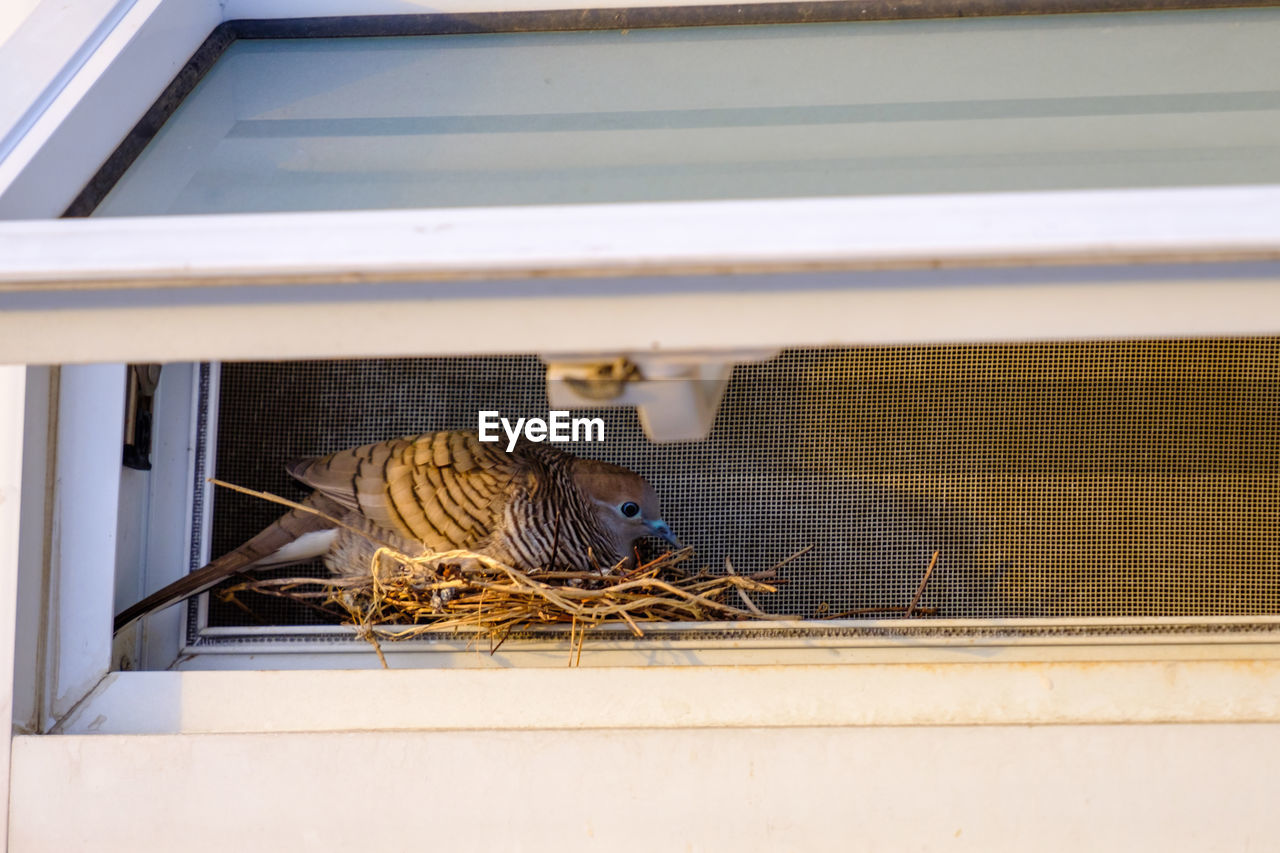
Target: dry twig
915	599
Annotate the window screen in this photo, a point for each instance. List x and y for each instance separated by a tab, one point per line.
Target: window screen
1120	479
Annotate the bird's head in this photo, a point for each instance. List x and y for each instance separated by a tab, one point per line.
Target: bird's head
626	505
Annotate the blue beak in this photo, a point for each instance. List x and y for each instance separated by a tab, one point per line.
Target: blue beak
660	529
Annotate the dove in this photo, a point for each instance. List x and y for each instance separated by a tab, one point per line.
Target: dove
441	491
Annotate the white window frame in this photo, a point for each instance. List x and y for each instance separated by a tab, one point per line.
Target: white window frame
96	293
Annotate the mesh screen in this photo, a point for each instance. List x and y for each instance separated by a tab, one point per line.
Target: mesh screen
1055	480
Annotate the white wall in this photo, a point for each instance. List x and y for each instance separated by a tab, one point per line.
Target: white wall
981	788
12	14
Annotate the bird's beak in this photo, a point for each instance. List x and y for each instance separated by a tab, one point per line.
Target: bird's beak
660	529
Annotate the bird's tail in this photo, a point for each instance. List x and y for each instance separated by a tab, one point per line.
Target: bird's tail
287	540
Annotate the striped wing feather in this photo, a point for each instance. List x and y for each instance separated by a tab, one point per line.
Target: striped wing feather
444	489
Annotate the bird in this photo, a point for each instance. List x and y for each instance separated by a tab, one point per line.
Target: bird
528	508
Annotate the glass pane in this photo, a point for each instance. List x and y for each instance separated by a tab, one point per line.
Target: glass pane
995	104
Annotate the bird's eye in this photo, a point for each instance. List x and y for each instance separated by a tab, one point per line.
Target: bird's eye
630	509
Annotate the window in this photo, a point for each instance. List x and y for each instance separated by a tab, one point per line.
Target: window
1021	284
1048	477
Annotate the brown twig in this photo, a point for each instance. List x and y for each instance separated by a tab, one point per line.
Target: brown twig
742	593
635	629
915	599
797	555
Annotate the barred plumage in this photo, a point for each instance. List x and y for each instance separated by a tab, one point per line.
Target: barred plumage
530	508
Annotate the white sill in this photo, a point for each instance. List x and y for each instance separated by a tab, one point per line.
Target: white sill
1016	693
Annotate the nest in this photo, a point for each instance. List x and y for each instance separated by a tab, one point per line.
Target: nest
457	592
403	597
